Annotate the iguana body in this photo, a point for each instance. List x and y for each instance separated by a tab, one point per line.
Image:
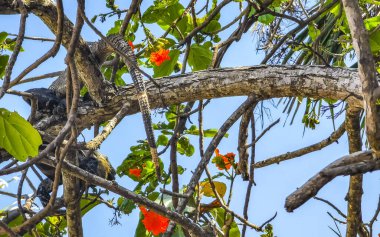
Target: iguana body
101	50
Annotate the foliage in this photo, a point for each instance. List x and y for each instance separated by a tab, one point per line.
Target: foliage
20	139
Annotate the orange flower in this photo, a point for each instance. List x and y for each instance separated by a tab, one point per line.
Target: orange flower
223	161
135	172
154	222
131	44
159	57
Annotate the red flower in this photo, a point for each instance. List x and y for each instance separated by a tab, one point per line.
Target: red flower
223	161
154	222
131	44
135	172
159	57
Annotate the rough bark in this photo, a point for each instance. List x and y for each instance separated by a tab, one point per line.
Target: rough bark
355	191
71	190
367	72
263	81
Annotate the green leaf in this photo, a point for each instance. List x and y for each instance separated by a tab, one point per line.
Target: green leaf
17	136
212	27
178	232
162	140
193	130
116	28
140	229
266	19
200	57
167	67
374	42
164	16
3	64
218	214
372	23
126	205
184	146
313	32
162	4
3	36
153	196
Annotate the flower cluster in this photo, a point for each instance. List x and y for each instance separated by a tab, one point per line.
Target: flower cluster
159	57
154	222
223	162
135	172
131	44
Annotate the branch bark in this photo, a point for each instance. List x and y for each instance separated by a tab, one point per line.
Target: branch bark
355	191
367	72
356	163
263	81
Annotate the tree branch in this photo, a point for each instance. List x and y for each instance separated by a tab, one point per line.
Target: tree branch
262	81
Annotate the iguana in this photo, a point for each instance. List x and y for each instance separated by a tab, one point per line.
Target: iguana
52	100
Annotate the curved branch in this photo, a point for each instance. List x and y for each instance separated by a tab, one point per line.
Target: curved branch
355	163
263	81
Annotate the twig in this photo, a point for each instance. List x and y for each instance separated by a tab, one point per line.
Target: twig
263	132
19	192
47	75
34	38
300	152
16	50
374	218
209	152
295	30
251	180
225	207
268	221
336	219
331	205
101	137
173	194
13	195
205	23
51	53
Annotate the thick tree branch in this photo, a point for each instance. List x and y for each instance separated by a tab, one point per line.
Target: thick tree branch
355	192
367	72
262	81
356	163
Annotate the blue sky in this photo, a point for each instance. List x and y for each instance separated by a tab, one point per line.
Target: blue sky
274	183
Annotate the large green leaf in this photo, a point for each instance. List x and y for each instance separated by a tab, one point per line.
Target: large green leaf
140	229
3	64
17	136
200	57
167	67
372	23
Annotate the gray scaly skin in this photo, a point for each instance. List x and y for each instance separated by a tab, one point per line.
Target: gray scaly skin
101	50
